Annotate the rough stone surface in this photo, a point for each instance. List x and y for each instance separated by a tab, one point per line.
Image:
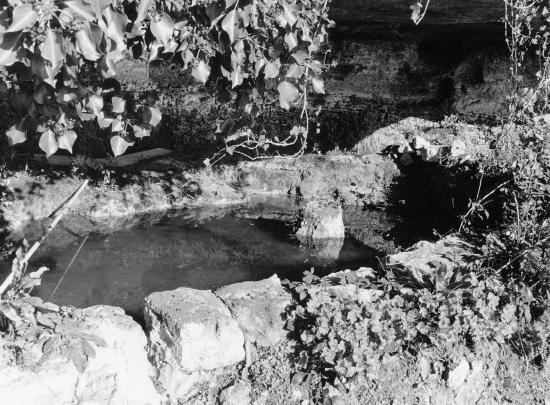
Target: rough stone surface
258	307
431	141
119	374
482	85
425	258
236	394
355	179
321	219
192	330
370	227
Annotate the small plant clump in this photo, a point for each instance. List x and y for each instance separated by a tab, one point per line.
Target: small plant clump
25	319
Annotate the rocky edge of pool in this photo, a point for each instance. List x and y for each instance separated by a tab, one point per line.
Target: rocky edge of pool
423	325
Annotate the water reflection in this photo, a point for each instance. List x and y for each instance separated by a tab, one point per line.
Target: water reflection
121	267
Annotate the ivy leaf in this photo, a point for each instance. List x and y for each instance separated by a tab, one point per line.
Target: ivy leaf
48	143
154	50
272	69
236	78
318	85
99	341
300	56
162	27
230	24
119	105
295	71
24	17
16	134
85	45
89	351
119	145
142	9
141	130
76	354
52	48
43	69
152	116
43	93
116	23
289	16
9	312
107	66
10	47
201	72
81	9
416	9
66	141
117	125
291	40
288	93
95	104
99	6
4	20
104	122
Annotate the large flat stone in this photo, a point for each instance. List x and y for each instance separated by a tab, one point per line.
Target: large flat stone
192	330
354	179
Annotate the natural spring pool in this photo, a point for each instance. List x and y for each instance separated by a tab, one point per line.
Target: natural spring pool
121	262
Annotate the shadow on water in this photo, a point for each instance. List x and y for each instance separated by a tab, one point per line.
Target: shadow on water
180	249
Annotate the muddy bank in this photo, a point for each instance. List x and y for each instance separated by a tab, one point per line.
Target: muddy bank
361	180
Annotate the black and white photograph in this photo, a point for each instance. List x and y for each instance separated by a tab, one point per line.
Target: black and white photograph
274	202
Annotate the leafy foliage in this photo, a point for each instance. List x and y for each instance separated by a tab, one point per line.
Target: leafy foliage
348	326
527	35
58	60
29	318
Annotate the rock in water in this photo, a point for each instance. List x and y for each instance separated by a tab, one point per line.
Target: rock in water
322	227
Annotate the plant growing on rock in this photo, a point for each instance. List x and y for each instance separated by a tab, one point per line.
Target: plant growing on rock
348	327
527	36
58	63
26	319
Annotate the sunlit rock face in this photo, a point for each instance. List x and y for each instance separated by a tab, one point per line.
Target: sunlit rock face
117	370
355	179
258	307
190	333
322	227
321	219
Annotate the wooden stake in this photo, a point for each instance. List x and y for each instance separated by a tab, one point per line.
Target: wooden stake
57	214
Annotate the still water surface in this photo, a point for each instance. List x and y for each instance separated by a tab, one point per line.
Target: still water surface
122	266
